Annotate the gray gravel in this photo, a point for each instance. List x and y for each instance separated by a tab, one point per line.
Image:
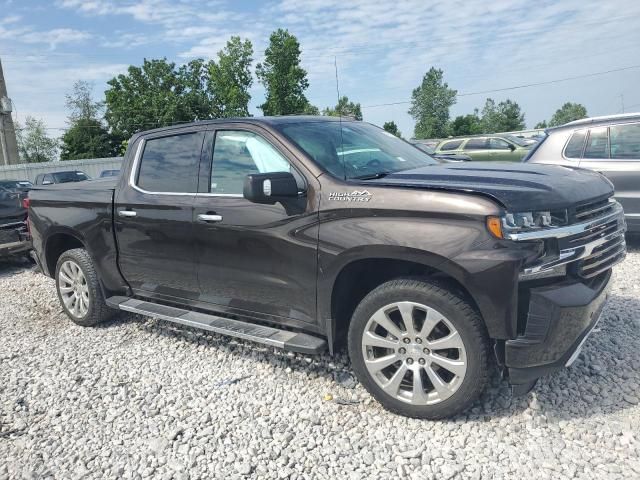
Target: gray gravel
139	398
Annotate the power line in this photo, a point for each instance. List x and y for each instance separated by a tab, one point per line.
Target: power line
516	87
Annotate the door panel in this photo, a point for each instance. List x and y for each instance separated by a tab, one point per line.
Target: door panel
625	176
154	229
256	259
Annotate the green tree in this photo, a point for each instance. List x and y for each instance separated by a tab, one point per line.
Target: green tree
502	117
311	110
568	113
230	79
469	124
157	94
344	108
34	145
392	128
430	104
542	124
87	137
283	78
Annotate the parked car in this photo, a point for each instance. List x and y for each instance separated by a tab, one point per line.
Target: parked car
61	177
445	157
609	145
266	229
18	185
109	173
495	148
14	236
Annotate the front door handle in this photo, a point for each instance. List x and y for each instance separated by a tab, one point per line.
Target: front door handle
209	218
127	213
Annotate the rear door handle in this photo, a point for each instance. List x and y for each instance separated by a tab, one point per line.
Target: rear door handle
127	213
209	218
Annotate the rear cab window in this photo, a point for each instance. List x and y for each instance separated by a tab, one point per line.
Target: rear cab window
625	141
451	145
169	164
575	145
476	144
597	143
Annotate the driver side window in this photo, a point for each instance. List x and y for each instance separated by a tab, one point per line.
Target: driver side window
237	153
498	144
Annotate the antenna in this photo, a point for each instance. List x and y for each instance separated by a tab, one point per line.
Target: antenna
344	167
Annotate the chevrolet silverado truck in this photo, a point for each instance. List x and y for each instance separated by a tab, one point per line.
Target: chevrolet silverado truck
308	233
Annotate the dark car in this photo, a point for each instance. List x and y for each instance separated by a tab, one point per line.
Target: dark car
61	177
109	173
309	232
609	145
18	185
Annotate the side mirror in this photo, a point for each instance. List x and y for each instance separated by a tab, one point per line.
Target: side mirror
270	187
512	147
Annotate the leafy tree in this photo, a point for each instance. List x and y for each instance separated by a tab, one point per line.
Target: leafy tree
392	127
230	79
344	108
34	145
87	137
469	124
542	124
568	113
430	104
503	117
311	110
282	76
157	94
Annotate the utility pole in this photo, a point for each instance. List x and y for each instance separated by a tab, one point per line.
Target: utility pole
8	143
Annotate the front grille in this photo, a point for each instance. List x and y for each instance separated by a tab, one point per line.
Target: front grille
602	243
593	209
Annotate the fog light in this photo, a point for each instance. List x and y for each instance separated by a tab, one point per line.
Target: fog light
559	271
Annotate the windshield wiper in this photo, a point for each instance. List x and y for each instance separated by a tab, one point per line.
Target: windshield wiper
373	176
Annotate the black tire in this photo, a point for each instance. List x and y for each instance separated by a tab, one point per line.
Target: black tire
97	310
457	311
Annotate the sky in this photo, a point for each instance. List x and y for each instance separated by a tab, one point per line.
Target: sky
381	49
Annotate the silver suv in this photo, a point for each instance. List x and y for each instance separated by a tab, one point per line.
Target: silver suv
609	145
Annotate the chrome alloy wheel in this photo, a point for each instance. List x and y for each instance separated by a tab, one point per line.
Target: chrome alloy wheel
73	288
414	353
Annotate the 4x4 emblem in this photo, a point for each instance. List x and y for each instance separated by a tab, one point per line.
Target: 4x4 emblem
355	196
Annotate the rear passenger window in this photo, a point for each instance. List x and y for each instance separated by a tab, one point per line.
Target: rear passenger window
625	142
476	144
576	144
597	144
238	153
452	145
170	164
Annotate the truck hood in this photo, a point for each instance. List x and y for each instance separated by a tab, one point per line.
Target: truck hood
516	186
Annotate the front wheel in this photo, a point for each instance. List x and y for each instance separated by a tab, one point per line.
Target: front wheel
419	349
79	289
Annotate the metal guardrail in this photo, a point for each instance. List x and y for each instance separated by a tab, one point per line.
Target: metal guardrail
28	171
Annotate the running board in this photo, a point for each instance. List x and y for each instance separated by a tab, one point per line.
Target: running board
292	341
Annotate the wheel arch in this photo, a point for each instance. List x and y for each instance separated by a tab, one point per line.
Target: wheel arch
58	242
362	271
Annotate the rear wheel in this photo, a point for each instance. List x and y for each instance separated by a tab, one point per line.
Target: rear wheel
419	349
79	289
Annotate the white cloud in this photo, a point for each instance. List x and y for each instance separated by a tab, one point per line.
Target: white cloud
54	37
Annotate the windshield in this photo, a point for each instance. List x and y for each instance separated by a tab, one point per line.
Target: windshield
355	149
66	177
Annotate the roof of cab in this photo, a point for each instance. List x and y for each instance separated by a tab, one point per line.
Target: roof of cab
279	120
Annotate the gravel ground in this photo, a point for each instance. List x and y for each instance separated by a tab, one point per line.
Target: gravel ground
139	398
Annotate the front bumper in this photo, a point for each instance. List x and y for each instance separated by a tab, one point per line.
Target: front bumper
557	321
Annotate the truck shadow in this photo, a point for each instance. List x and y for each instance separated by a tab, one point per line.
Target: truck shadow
11	265
604	378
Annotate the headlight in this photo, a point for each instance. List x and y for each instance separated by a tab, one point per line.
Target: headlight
520	222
